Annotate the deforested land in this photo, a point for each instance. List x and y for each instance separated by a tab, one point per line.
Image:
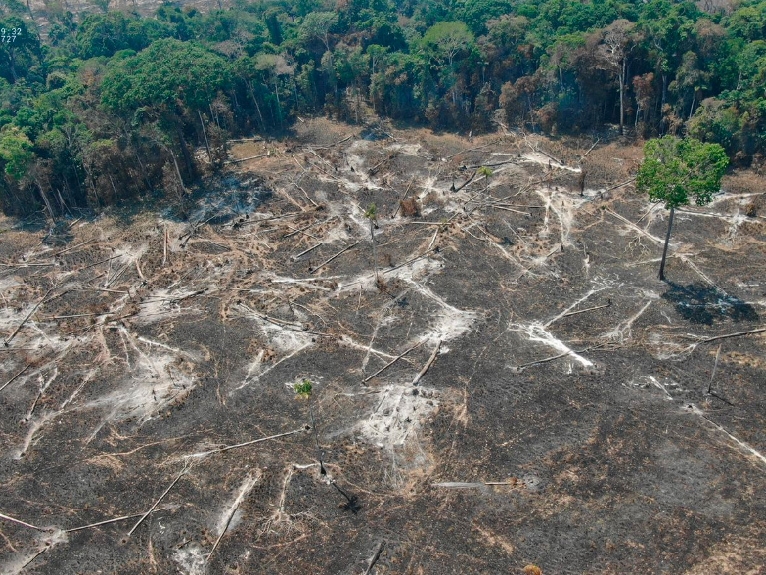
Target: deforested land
376	287
236	392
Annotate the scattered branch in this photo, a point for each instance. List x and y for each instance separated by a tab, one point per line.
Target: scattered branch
374	558
108	521
555	357
404	197
728	335
10	381
593	147
246	487
238	160
346	139
428	363
23	523
304	252
246	443
392	362
630	181
588	309
291	234
183	472
715	367
324	263
34	309
468	181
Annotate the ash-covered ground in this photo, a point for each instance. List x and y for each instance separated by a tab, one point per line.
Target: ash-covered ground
515	389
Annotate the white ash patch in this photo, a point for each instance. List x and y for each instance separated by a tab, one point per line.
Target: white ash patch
430	187
33	426
542	159
191	559
662	347
284	338
338	232
664	384
226	520
724	196
363	224
416	269
359	164
31	335
7	284
564	206
449	322
129	253
406	149
397	414
163	304
42	542
536	331
623	331
155	384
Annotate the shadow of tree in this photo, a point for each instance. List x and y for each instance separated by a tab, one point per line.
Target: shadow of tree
703	304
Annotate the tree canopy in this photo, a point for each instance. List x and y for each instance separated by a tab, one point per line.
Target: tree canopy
187	77
168	71
678	171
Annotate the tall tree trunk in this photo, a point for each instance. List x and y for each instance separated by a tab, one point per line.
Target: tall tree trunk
46	201
178	173
374	250
694	101
667	241
12	64
185	152
279	104
257	107
204	133
662	103
622	93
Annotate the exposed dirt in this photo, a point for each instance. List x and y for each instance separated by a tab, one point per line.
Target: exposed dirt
516	389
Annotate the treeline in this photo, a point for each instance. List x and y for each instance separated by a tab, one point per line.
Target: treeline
113	105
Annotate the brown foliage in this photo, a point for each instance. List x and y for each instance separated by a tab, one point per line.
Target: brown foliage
410	207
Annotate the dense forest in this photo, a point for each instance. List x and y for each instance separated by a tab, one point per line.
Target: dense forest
111	105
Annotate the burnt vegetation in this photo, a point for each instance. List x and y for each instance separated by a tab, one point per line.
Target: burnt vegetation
371	287
337	363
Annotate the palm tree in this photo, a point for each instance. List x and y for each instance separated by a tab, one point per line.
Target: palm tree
486	172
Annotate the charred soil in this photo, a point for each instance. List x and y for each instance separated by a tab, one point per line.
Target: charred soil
516	388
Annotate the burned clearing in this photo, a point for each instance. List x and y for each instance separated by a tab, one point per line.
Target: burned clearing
515	388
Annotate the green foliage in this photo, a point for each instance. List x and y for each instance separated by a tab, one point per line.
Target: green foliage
15	152
371	213
749	22
447	40
166	72
103	35
317	26
476	13
19	48
715	122
678	171
147	85
304	388
484	171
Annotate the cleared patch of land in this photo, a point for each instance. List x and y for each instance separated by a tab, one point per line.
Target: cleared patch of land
516	388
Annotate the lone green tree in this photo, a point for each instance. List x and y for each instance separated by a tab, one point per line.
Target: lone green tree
487	173
676	171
